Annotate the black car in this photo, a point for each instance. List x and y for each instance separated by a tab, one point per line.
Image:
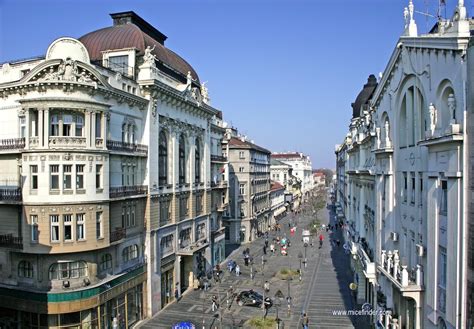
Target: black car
252	298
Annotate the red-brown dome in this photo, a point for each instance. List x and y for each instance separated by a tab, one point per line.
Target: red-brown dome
128	34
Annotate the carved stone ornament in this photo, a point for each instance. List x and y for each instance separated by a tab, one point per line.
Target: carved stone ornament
67	70
154	109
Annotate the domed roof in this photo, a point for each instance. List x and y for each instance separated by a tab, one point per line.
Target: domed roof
131	31
364	96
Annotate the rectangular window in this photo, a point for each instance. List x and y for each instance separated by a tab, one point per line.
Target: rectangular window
34	228
54	179
132	219
119	64
54	125
420	190
198	204
442	271
128	217
67	125
98	221
80	227
67	222
34	177
164	211
405	187
183	207
98	125
22	127
54	219
242	210
241	169
98	176
443	205
412	193
79	177
67	177
241	189
241	155
79	125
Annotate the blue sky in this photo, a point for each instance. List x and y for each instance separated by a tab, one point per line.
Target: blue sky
283	71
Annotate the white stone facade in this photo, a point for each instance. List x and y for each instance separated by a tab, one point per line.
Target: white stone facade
415	129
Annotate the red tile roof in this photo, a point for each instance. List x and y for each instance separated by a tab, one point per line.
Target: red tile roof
276	186
238	143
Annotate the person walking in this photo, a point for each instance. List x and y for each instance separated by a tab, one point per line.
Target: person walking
206	284
272	248
305	321
237	270
321	239
266	286
264	250
214	303
176	293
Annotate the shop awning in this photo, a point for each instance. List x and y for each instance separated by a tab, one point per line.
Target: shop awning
279	211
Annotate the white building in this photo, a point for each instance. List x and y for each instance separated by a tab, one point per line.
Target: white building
106	196
419	122
302	168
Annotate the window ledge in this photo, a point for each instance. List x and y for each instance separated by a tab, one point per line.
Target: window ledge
54	192
99	190
68	192
81	191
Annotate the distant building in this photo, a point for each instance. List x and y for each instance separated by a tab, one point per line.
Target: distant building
249	182
319	179
277	202
302	168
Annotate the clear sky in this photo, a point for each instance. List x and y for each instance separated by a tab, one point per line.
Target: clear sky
282	71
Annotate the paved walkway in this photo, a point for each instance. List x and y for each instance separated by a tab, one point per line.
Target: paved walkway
324	287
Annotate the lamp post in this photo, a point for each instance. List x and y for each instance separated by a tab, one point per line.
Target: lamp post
305	259
300	256
278	297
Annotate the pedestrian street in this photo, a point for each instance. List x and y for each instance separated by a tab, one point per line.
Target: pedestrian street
326	277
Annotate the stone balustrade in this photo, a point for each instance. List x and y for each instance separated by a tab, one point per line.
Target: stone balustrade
398	273
67	142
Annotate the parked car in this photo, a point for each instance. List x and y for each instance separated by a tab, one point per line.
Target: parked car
252	298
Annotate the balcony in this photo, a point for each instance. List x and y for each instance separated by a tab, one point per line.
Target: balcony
67	142
118	234
404	279
10	195
218	158
364	254
126	191
10	241
219	184
14	144
129	148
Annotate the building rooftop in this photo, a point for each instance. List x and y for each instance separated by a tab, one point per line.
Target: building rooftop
237	143
364	96
132	31
276	186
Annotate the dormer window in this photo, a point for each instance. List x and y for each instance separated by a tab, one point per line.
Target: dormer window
119	64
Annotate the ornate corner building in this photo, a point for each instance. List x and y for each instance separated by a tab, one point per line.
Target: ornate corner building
113	182
403	180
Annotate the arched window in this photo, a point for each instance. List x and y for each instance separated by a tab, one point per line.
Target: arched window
124	133
182	160
197	161
68	270
163	159
106	262
130	253
25	269
412	118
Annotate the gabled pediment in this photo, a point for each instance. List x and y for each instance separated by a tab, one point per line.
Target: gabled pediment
65	70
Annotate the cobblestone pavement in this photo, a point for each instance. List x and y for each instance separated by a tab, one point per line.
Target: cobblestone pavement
324	287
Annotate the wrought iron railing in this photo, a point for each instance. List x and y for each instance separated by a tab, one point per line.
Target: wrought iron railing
219	158
118	234
10	194
127	147
12	144
124	191
10	241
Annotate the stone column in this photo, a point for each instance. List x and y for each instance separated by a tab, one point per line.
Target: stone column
46	128
28	130
103	130
40	128
88	123
92	139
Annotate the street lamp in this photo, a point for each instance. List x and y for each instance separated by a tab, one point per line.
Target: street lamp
305	259
278	297
300	256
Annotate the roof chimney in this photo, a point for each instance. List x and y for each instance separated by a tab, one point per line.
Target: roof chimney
130	17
